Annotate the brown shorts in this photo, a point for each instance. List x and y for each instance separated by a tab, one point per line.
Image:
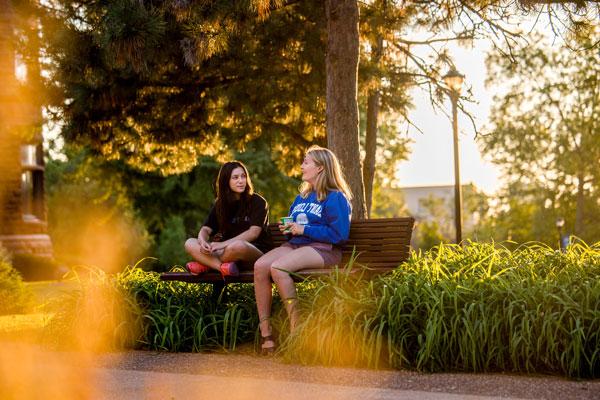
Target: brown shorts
331	255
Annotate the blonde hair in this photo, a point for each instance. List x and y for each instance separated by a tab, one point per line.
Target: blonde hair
329	179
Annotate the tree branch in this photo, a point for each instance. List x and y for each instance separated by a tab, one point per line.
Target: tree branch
578	3
426	42
491	23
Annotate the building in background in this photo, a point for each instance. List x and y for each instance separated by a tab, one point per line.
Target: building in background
418	200
23	227
432	207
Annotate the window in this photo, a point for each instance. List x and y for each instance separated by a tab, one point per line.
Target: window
27	192
28	155
32	182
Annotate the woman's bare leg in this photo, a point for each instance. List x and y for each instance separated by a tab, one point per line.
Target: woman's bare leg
192	247
237	250
263	289
240	250
296	260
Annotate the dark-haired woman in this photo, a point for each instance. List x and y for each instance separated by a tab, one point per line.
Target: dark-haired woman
236	227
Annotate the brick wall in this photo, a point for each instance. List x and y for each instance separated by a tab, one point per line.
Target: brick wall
15	114
10	181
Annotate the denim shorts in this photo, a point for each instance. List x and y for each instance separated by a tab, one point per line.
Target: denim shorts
331	255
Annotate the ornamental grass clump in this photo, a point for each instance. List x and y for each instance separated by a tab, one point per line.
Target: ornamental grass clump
96	316
475	308
341	323
532	309
14	296
185	317
135	309
479	307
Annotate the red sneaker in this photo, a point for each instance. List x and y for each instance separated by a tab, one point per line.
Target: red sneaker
229	269
195	268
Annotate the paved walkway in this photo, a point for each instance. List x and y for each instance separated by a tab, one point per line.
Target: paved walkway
31	372
125	384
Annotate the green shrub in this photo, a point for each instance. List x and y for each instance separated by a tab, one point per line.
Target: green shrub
98	316
171	243
142	311
14	297
428	235
91	218
187	317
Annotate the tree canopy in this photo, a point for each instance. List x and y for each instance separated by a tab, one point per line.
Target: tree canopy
545	131
159	84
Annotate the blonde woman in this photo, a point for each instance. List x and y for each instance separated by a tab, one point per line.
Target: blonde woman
321	224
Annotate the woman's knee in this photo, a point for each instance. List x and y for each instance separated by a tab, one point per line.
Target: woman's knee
190	244
262	267
236	247
278	271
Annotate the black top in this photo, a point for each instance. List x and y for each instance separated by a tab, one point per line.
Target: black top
257	215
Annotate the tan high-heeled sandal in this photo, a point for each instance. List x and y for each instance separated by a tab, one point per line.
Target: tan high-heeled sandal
265	351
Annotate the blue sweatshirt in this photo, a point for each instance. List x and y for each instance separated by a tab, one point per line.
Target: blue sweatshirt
326	221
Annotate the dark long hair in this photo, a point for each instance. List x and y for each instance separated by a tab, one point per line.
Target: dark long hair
226	196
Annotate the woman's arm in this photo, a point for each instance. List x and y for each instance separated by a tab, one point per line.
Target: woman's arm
336	221
203	237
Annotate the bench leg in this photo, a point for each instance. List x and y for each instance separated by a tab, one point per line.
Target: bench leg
218	288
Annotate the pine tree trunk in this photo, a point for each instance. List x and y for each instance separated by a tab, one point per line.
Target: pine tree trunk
342	104
371	134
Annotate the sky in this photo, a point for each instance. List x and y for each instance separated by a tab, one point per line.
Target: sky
431	161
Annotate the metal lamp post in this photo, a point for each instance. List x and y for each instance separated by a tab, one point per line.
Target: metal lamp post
454	81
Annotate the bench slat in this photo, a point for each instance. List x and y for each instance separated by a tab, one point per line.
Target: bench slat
371	238
381	256
359	248
379	228
370	242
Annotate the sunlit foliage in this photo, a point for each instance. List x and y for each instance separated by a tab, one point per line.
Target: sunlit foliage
544	133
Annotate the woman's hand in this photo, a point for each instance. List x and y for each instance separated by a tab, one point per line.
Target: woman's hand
216	246
295	229
204	246
285	227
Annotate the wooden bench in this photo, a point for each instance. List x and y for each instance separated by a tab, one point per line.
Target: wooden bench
378	244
